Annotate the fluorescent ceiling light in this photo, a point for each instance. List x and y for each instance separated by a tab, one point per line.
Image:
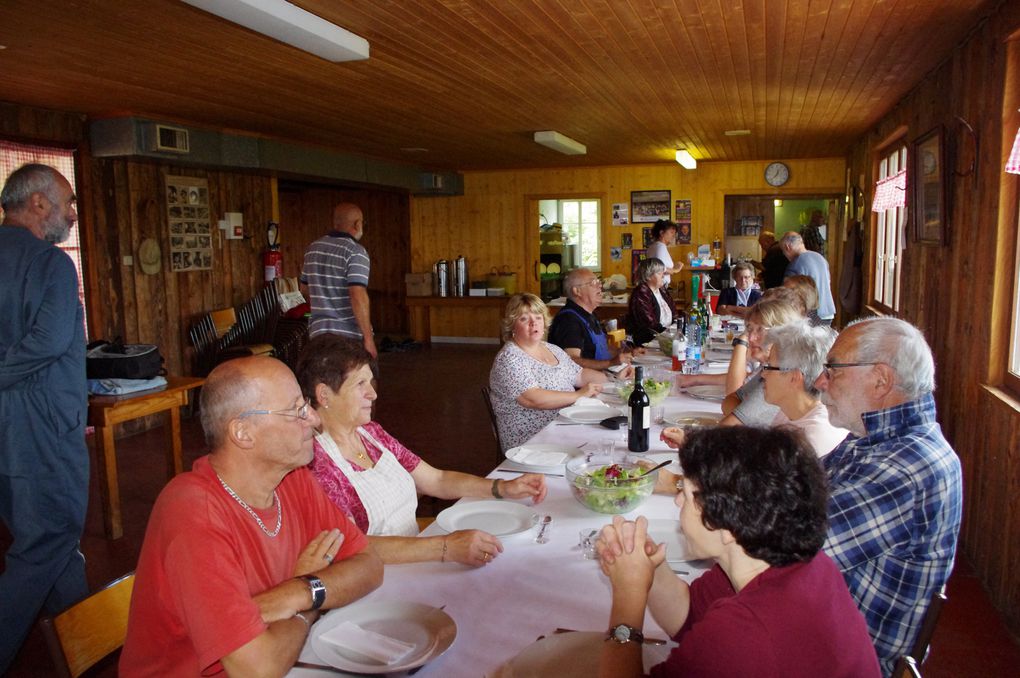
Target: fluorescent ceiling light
292	25
561	143
737	132
686	159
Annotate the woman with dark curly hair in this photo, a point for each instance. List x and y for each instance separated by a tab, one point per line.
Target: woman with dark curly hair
754	501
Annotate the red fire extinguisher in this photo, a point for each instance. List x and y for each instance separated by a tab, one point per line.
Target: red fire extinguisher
272	257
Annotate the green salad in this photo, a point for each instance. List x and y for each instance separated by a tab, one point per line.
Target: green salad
605	491
657	390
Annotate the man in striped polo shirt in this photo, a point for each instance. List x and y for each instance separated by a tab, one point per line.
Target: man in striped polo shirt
334	277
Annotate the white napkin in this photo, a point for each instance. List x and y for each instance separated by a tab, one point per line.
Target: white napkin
530	455
589	402
350	636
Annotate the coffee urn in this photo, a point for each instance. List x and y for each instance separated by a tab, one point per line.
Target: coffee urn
441	278
460	277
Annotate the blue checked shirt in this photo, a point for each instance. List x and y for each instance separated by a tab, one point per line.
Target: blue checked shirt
894	517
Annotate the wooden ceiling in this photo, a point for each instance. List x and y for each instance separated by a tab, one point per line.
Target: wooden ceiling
471	80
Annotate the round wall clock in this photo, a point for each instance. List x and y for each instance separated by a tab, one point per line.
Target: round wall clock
777	174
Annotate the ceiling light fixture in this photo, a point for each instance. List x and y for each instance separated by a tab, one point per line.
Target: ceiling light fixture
560	142
737	132
686	159
290	24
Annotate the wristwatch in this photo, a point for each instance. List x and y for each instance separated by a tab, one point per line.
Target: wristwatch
737	341
622	633
317	589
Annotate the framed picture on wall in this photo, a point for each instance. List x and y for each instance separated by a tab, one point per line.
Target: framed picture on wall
627	241
647	207
927	182
636	257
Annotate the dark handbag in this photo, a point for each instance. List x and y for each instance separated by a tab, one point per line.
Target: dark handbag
117	360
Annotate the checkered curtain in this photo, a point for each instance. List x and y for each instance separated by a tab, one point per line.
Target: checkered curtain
1013	164
13	155
890	192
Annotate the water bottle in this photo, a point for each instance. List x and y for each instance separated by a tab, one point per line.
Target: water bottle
692	361
640	414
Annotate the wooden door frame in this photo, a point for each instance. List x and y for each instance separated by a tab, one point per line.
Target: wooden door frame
532	282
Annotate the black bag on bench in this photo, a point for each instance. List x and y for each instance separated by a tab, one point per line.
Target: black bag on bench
117	360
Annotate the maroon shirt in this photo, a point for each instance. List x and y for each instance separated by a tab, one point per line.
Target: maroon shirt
791	621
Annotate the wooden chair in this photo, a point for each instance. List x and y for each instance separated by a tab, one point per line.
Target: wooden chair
486	396
90	629
919	651
906	667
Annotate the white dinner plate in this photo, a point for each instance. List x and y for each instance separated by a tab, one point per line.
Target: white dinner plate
691	418
716	367
662	530
499	518
542	456
707	392
429	629
588	414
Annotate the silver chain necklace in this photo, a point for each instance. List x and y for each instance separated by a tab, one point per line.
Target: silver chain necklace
276	500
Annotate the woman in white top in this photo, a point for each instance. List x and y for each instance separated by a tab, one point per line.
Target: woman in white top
531	379
367	472
794	363
664	235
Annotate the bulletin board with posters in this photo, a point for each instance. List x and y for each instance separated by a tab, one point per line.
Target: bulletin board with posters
187	206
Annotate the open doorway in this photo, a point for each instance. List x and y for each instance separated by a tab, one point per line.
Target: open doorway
747	216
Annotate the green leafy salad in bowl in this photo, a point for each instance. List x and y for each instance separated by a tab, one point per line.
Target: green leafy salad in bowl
609	486
657	390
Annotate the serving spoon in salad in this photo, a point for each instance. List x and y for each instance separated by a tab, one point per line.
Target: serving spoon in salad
647	471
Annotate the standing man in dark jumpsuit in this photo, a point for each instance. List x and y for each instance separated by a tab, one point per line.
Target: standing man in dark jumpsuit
44	462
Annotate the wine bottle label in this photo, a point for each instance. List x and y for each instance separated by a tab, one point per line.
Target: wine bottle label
646	417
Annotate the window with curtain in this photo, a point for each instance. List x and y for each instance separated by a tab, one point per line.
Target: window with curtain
13	155
889	206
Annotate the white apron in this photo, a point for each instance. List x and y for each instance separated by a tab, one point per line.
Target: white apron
386	490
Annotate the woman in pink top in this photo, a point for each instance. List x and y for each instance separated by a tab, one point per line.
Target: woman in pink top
794	363
375	479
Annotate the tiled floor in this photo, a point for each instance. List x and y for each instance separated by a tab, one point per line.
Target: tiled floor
430	400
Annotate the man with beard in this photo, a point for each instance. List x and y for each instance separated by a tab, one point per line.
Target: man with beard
334	279
895	483
44	463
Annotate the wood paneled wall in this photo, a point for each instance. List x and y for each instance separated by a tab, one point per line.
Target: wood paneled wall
490	225
960	299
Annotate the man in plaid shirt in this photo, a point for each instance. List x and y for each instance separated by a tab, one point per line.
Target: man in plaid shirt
895	482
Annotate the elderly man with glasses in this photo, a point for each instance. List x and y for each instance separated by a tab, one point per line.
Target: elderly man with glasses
578	331
242	552
895	483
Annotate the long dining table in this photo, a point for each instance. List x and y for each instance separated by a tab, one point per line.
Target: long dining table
530	589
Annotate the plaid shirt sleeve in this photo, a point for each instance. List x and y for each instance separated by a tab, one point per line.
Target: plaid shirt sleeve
870	511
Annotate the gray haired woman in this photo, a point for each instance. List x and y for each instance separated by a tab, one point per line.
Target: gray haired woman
651	309
794	362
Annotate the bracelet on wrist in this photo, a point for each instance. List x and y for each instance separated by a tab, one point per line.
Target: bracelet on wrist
302	617
442	558
495	489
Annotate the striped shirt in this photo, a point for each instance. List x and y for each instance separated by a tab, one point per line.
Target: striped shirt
333	264
894	519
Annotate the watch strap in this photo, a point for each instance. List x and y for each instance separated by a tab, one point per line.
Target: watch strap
737	341
317	589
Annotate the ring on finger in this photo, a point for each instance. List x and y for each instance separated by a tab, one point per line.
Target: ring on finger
328	558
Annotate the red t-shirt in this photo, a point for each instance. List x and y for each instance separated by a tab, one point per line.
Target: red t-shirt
203	559
788	622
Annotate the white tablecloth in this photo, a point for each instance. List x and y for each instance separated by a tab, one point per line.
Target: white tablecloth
530	589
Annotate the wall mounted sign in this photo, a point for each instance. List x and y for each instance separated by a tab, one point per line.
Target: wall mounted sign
647	207
927	186
187	207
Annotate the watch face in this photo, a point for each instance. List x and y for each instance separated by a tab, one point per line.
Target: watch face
777	174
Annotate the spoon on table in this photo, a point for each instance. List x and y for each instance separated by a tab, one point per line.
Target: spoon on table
541	538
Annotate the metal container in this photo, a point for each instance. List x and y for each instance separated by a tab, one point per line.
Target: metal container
460	277
441	271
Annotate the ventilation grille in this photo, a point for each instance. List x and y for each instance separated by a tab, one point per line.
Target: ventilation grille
171	139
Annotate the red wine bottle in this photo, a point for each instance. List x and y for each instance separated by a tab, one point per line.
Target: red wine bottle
640	414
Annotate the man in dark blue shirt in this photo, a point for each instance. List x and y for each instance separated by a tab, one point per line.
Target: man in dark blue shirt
577	330
44	462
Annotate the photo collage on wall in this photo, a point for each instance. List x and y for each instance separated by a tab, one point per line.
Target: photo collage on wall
187	204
